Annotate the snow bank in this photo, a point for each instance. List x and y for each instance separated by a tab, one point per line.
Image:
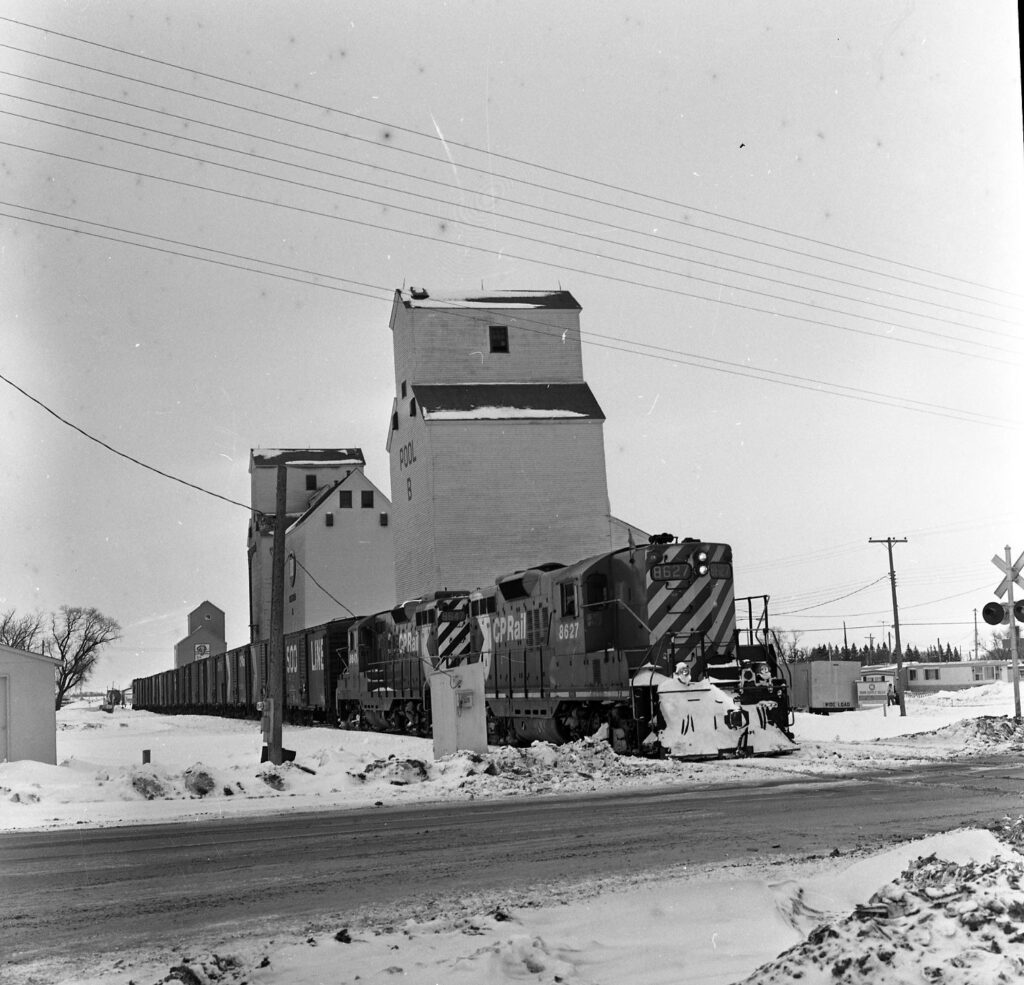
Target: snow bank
945	920
102	780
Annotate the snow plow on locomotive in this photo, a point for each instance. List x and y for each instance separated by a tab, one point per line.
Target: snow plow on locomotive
642	641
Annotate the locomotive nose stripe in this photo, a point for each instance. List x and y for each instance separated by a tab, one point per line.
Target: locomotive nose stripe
454	637
712	600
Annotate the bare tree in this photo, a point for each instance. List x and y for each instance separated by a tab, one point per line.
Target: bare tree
21	632
76	637
787	644
998	648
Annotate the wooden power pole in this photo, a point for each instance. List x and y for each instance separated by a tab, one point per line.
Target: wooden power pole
889	541
275	670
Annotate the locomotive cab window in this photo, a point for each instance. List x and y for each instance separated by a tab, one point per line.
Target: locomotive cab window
567	593
483	606
595	589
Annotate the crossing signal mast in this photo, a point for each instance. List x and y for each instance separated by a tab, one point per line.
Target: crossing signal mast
1008	612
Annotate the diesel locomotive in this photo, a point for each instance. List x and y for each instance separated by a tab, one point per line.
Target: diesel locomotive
641	644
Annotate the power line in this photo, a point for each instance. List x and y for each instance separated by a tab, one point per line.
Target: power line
659	352
541	242
838	598
321	587
121	454
483	249
499	198
166	475
431	137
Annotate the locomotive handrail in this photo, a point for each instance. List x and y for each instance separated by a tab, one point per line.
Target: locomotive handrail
619	602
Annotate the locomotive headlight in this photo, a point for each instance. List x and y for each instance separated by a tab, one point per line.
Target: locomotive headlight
700	563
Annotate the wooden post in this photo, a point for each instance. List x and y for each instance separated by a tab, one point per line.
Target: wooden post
275	670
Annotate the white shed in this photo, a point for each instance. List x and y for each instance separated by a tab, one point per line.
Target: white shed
28	716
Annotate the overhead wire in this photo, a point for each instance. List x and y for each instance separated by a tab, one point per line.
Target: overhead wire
166	475
660	352
838	598
506	253
116	451
312	578
590	220
489	152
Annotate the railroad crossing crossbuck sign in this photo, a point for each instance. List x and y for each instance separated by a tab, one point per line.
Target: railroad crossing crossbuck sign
1009	574
1000	613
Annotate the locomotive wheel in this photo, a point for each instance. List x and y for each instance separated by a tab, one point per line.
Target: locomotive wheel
395	720
500	731
578	721
419	721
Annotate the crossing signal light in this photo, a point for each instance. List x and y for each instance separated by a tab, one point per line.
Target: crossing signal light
998	613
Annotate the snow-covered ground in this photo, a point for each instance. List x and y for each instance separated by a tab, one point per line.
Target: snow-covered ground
959	914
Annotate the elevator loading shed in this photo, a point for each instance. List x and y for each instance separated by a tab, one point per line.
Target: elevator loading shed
28	717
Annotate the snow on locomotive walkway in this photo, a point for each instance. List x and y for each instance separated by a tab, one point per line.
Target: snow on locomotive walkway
887	919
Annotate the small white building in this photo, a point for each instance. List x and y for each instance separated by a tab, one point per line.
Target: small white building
954	675
28	715
925	678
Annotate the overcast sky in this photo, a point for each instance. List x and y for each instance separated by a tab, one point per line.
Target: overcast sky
795	230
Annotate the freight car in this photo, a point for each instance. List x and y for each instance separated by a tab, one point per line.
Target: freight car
233	684
642	642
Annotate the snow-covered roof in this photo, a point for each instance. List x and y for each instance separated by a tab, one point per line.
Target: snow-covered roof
416	297
507	401
267	457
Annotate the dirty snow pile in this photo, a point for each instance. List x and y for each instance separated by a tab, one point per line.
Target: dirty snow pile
940	921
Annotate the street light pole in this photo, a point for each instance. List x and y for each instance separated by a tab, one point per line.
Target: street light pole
889	541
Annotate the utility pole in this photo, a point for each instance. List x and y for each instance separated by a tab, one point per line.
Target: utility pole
889	541
975	634
275	670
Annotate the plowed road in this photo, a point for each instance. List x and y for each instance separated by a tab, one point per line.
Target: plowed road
102	890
